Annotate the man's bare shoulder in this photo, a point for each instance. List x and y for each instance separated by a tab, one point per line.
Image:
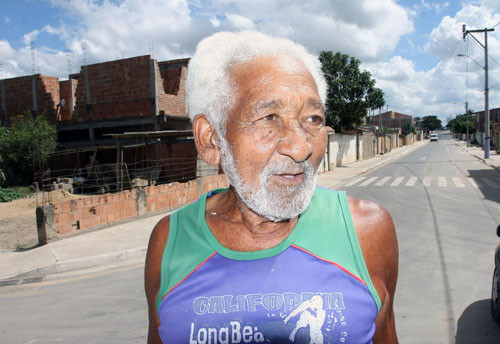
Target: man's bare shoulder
156	245
152	274
375	230
377	238
370	217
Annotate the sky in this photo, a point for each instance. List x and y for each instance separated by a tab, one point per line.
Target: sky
409	47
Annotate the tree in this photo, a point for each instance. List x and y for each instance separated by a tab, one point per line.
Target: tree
459	124
430	123
25	146
350	92
409	128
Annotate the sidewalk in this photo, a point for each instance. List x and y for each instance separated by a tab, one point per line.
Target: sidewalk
129	240
478	152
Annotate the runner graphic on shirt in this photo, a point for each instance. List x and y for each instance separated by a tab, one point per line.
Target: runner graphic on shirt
313	315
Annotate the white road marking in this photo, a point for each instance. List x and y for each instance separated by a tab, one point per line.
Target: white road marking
442	182
472	182
382	181
427	181
368	181
411	181
397	181
458	182
355	181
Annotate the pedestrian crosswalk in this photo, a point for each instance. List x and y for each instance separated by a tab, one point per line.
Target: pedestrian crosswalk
427	181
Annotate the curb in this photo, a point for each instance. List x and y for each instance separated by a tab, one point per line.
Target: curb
79	263
480	158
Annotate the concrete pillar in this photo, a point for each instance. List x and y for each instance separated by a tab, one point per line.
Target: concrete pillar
44	219
88	105
154	92
4	106
141	202
35	96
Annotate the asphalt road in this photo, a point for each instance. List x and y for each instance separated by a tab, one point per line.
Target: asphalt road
445	204
93	306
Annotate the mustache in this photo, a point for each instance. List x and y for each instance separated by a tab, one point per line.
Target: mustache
287	166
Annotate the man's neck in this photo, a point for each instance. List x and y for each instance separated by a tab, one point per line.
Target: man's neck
241	229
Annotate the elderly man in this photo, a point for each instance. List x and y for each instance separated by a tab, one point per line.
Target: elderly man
272	258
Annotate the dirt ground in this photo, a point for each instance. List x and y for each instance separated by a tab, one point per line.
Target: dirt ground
18	219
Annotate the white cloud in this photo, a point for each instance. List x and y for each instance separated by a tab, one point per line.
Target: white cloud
442	90
238	22
366	29
6	51
6	19
215	22
30	36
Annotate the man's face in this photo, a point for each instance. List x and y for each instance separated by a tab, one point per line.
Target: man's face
275	137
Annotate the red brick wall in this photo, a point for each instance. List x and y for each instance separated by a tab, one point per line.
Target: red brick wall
66	112
47	88
94	211
19	95
118	89
172	91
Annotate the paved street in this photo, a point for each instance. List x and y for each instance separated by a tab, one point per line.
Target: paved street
91	306
446	206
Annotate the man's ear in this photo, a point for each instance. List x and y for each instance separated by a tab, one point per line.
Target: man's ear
205	138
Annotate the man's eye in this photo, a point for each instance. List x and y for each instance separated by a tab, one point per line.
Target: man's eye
316	119
271	117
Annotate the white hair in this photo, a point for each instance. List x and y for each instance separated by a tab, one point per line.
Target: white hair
209	89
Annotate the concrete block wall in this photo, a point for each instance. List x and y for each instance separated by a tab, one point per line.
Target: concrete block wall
95	211
342	149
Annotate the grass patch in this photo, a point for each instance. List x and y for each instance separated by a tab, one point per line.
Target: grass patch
15	192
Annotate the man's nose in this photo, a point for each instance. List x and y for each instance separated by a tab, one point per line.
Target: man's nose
294	143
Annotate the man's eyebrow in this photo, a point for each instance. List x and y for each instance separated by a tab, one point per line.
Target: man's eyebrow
269	104
314	103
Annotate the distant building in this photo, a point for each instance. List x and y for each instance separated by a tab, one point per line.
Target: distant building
494	118
390	119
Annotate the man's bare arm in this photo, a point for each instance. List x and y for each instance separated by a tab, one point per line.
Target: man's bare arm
152	275
378	241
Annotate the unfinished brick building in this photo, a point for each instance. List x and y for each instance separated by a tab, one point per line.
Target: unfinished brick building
133	95
129	95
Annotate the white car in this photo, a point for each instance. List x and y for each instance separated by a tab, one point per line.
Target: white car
434	137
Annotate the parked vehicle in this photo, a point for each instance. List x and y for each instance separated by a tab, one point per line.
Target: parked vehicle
495	287
434	137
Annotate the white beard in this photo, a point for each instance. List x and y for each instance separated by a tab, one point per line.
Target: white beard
274	202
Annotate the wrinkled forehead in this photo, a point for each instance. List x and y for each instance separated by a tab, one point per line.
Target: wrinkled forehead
261	75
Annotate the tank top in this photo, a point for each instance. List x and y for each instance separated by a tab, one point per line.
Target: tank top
313	287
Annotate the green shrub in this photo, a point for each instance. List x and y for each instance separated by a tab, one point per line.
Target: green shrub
25	146
10	194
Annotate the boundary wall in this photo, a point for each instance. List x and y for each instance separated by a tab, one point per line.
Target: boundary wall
95	211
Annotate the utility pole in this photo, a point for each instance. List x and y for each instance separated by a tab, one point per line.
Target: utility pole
486	90
467	120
